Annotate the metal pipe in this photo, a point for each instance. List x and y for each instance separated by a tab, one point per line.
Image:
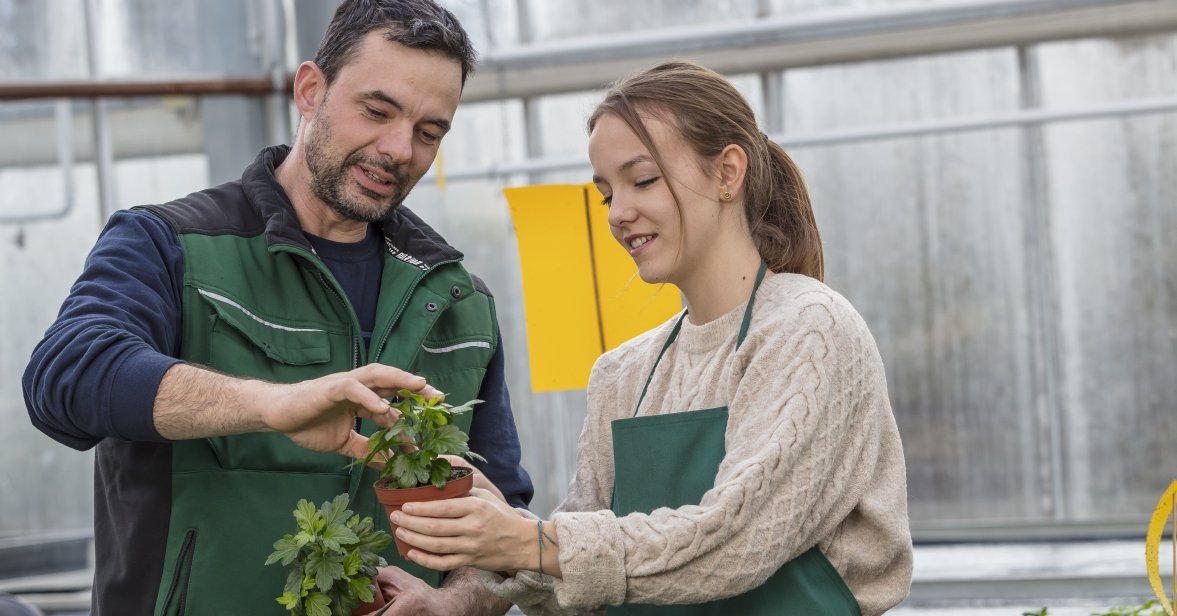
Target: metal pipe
773	30
967	124
780	43
103	148
747	47
1011	119
195	86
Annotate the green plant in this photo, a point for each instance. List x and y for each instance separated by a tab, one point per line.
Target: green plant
1150	608
334	555
412	447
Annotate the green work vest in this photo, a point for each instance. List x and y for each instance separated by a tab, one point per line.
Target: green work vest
256	305
684	450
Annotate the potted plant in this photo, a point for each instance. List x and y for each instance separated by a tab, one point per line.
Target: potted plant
411	451
334	554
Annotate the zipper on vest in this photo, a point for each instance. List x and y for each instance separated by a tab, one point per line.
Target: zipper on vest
355	341
181	573
355	363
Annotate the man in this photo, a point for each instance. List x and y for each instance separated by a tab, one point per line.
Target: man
225	351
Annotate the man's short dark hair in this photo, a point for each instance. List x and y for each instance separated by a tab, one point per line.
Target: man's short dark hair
419	24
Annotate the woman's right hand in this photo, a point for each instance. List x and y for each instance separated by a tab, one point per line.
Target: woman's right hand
478	530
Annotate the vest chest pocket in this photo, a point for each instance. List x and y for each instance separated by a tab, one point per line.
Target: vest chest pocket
455	367
245	343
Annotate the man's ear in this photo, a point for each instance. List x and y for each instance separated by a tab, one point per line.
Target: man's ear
310	87
733	167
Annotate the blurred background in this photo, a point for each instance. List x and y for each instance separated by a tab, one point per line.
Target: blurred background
995	182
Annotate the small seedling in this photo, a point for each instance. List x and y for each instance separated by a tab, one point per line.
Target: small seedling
411	447
332	558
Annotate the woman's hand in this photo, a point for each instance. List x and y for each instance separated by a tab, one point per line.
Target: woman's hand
480	480
479	530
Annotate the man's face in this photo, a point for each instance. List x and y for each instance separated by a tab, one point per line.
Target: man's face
378	127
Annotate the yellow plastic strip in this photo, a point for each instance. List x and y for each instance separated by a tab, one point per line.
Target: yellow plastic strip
581	293
563	331
1152	557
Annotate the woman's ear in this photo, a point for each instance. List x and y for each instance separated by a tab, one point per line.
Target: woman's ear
310	84
733	167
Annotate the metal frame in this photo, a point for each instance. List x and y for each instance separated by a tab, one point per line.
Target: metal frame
899	130
749	47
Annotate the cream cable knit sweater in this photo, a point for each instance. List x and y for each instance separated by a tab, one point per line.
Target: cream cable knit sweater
813	458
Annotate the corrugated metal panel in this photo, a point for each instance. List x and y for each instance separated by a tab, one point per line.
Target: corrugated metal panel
1018	281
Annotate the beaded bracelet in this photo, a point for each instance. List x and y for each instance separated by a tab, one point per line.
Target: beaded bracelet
540	535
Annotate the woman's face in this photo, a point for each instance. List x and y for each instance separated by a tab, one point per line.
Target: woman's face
667	247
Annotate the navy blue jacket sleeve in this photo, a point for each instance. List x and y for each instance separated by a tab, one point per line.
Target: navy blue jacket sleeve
96	372
493	435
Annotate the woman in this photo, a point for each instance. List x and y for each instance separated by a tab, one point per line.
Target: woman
742	458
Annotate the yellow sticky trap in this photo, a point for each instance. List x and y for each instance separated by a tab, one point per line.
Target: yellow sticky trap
581	292
439	168
1156	528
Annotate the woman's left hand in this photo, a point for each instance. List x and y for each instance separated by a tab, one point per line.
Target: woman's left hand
480	480
478	530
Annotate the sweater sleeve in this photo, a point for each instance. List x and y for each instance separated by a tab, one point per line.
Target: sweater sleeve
96	372
803	416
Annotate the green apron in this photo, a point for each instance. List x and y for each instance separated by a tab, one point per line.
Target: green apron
683	451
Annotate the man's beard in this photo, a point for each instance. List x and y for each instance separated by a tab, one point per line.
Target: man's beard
328	180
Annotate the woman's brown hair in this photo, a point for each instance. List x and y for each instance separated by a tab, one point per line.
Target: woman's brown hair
711	114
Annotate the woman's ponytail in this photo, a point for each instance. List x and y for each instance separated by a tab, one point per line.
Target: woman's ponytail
780	217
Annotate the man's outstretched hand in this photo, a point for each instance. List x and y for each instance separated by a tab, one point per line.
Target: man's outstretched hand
318	414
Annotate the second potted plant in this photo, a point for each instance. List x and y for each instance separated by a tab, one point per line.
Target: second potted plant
333	558
411	450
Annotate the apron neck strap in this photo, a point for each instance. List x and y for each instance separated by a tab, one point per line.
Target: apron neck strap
751	300
665	345
678	327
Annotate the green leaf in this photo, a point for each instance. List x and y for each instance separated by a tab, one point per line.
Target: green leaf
362	589
285	550
324	569
469	406
294	582
446	440
303	538
337	535
439	472
410	470
352	563
317	605
288	600
336	511
305	514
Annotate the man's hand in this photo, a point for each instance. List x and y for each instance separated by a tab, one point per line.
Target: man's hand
318	414
461	594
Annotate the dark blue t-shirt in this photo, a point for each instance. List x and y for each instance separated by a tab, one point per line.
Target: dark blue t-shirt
357	266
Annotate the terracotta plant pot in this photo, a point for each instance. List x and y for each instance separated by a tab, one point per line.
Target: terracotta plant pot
393	498
364	609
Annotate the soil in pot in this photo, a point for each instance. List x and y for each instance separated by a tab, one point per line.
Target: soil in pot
460	483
